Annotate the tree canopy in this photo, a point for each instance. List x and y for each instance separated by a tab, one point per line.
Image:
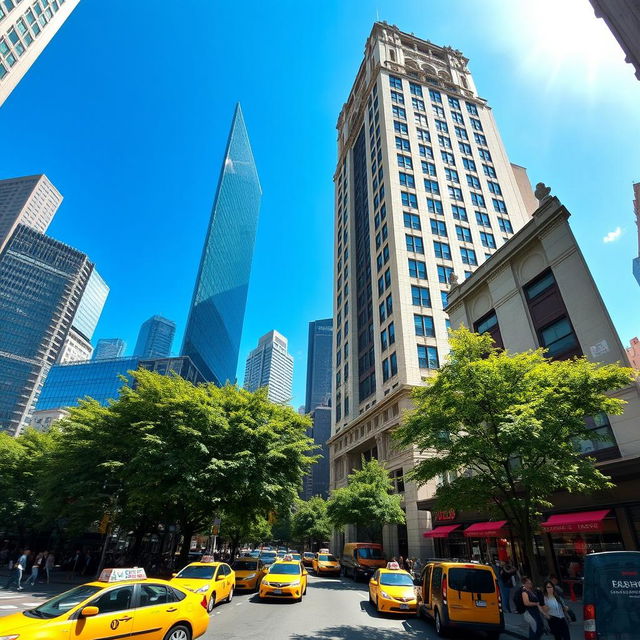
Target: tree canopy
504	427
310	522
367	501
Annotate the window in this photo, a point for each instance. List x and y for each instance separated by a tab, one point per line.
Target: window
435	96
499	205
489	324
402	144
559	337
395	82
431	186
454	103
397	477
389	305
409	199
457	117
392	333
461	133
494	187
417	269
420	119
471	108
444	141
599	424
397	97
459	213
470	165
444	296
451	174
483	219
411	221
438	111
383	317
478	200
465	148
428	167
393	364
442	250
468	256
442	126
505	225
385	369
434	206
485	155
425	151
423	135
405	162
415	89
380	288
420	296
398	112
489	171
480	139
400	127
427	357
384	341
417	104
424	325
414	243
455	192
406	180
448	158
473	181
438	228
114	600
487	240
154	594
463	233
444	274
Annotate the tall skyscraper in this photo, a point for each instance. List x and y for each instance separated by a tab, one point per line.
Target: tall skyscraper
636	210
270	365
27	29
29	200
108	348
319	364
41	283
423	191
316	482
155	338
214	326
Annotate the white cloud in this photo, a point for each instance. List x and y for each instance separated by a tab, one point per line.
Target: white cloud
612	236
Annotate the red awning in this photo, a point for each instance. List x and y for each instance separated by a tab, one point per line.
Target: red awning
573	522
486	530
440	532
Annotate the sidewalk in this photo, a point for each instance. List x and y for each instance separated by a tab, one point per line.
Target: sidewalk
515	626
57	577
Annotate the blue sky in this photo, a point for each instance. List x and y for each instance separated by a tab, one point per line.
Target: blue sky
128	110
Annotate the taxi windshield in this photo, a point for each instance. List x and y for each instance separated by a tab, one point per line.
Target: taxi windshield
197	572
326	558
244	565
369	553
308	554
396	579
63	603
288	569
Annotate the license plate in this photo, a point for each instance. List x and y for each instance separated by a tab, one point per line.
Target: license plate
481	603
404	606
277	591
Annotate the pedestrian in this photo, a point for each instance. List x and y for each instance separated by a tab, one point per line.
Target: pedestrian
556	612
528	603
505	580
77	562
18	570
35	570
556	583
49	564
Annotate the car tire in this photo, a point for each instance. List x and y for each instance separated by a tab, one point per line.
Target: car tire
230	596
212	602
370	598
179	632
440	630
304	593
378	607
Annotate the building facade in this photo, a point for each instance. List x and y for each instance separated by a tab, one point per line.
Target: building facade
423	190
271	365
319	369
109	348
155	338
25	30
41	284
214	326
91	305
537	291
180	365
633	353
75	348
29	200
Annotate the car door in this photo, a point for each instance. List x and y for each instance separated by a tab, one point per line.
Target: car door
231	577
114	618
156	613
220	584
373	586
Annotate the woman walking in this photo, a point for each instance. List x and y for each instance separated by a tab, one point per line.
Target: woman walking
555	610
533	609
35	569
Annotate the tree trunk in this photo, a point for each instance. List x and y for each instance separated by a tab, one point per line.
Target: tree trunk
187	530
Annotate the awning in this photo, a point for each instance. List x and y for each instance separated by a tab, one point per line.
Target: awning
440	532
486	530
573	522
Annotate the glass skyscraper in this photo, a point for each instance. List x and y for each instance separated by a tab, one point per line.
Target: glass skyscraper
155	338
319	364
41	283
214	326
108	348
91	305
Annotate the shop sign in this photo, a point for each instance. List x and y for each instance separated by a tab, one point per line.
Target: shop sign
446	516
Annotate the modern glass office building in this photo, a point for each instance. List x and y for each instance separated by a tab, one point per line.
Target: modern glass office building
214	326
155	338
319	364
91	305
109	348
41	283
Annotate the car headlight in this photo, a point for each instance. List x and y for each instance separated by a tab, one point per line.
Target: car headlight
384	594
266	583
13	637
203	589
249	577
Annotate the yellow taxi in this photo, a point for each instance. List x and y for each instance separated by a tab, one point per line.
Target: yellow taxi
392	590
249	572
122	603
324	563
215	580
285	579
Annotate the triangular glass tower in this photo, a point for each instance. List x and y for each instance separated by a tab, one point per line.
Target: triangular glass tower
214	327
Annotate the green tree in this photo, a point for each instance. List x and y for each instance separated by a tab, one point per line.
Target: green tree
237	528
506	426
310	521
367	501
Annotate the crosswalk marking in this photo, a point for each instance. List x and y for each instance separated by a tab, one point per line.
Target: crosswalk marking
8	606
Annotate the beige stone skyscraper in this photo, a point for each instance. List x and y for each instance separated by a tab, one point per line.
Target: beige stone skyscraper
26	28
424	192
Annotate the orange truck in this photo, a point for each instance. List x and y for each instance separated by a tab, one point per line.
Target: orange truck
361	559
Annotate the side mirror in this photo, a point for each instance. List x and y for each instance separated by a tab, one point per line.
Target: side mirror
88	612
173	575
373	582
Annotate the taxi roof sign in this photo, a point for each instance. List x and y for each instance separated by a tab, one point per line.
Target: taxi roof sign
207	559
393	566
118	575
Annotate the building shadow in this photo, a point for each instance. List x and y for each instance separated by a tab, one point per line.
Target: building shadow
360	632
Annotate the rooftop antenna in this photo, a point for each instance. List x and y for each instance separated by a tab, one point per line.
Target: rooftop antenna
377	16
